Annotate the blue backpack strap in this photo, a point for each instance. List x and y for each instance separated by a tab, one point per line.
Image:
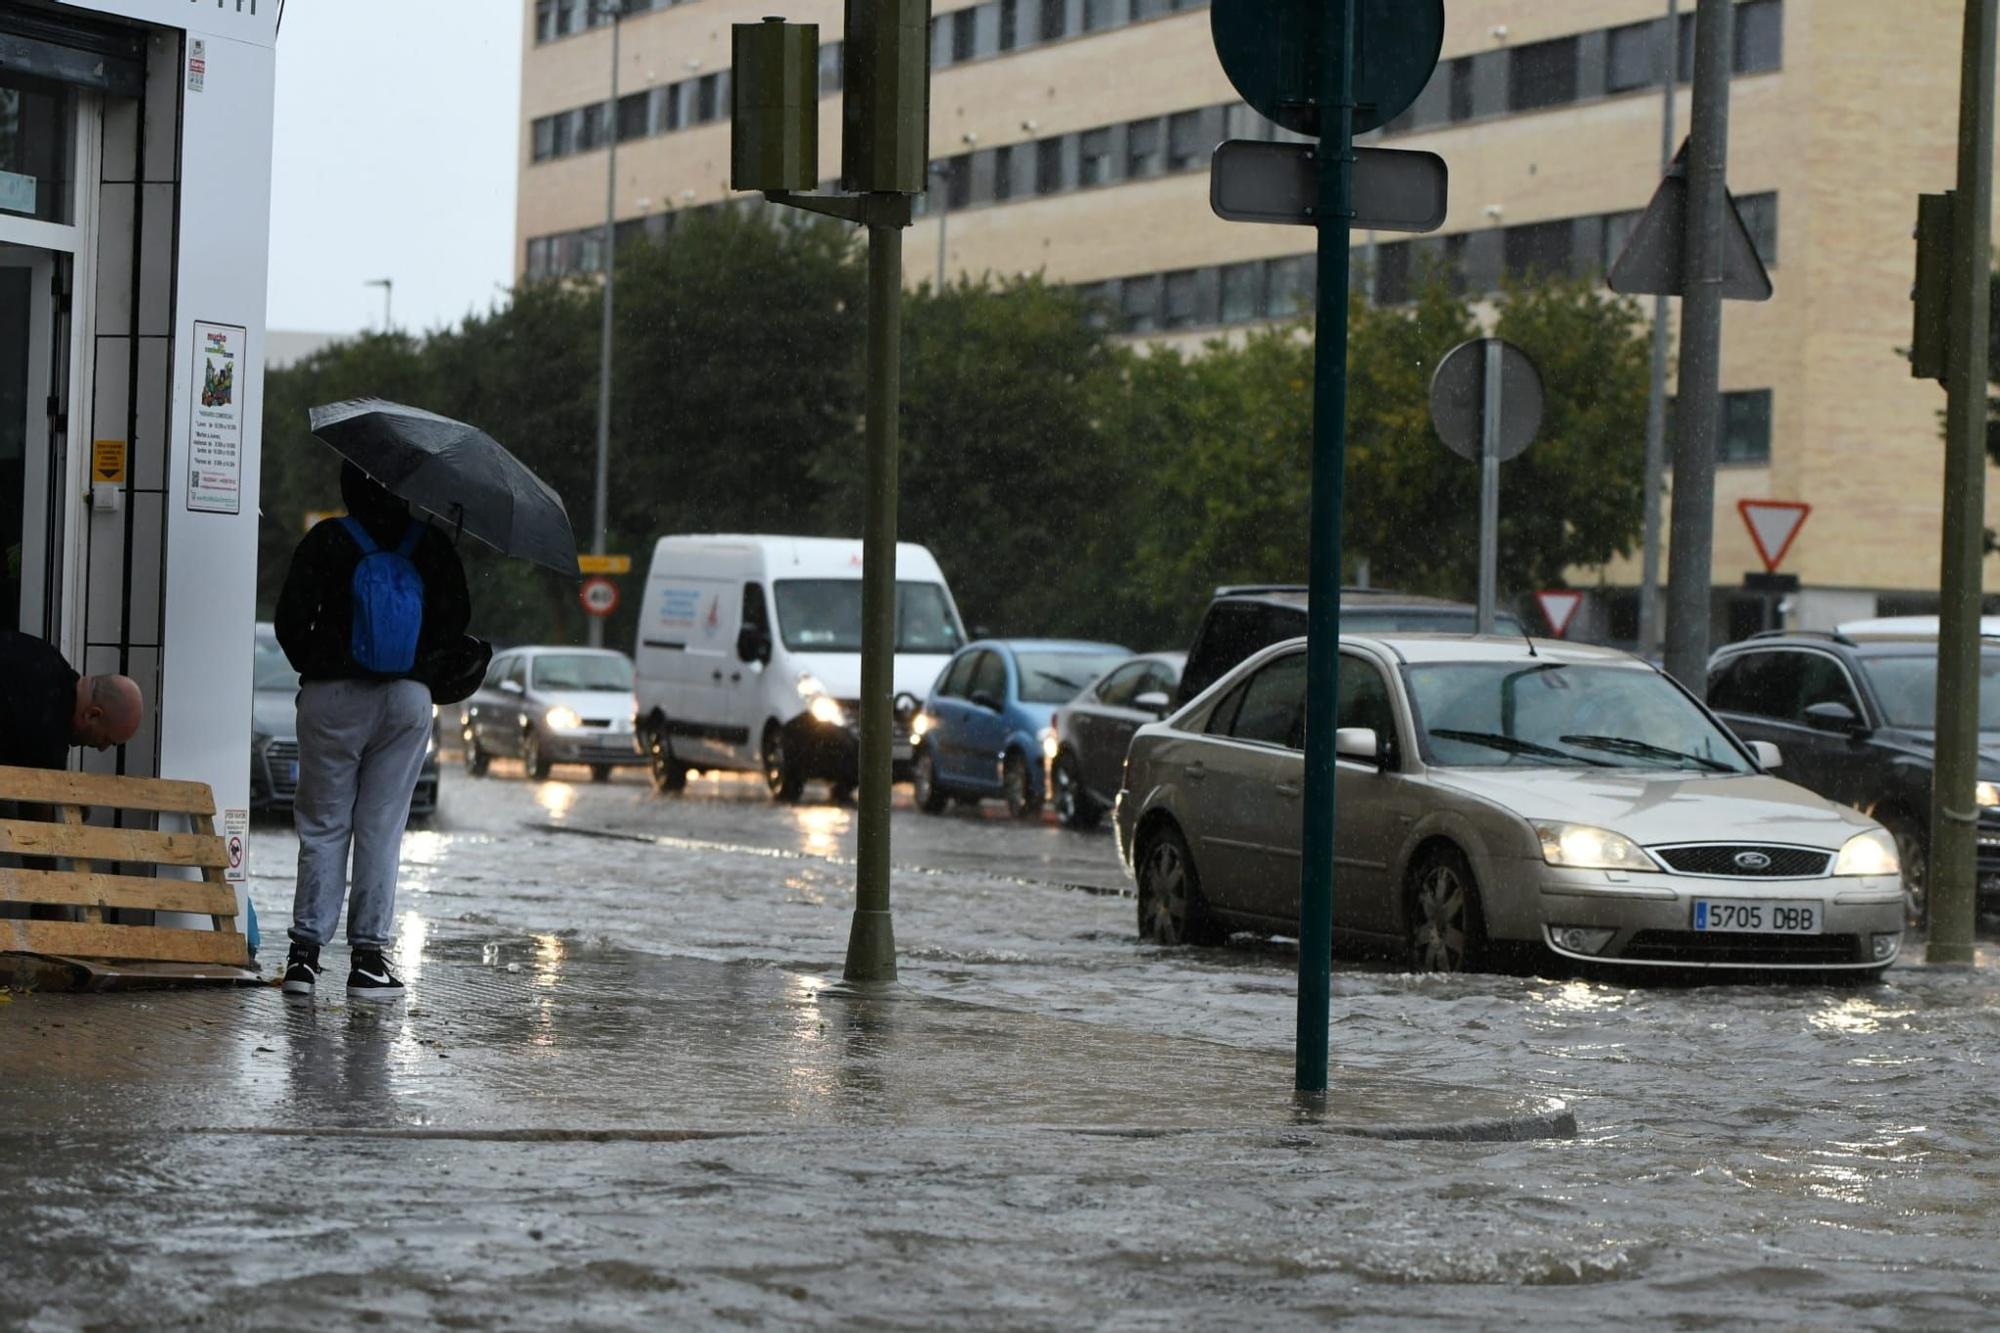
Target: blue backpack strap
360	534
408	546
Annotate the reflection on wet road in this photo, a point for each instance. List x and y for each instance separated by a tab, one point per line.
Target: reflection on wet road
1807	1153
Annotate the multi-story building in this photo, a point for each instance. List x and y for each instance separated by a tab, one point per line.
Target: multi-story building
1072	138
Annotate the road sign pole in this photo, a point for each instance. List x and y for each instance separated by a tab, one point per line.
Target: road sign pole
1691	549
1489	488
1954	813
1336	208
1656	394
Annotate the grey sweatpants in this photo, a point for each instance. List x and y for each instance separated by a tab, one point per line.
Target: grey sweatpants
361	749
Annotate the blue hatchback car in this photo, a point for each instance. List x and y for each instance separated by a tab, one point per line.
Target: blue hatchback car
988	727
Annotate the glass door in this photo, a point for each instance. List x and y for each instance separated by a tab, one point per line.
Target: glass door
30	440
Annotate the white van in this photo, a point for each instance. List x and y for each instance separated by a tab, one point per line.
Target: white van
749	657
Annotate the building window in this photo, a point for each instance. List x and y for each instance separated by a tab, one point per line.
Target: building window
1010	24
1461	88
566	16
829	69
958	181
590	130
1094	157
545	20
1540	247
707	98
1139	302
1183	300
1003	174
1290	285
1542	74
1745	427
1242	293
963	30
538	257
1760	217
1760	36
1049	166
1099	15
1188	141
634	117
1054	20
1150	9
1144	153
1634	59
542	139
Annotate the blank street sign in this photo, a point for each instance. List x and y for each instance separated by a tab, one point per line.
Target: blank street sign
1650	264
1395	189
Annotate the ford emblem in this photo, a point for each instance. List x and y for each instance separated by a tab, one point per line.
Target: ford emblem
1752	861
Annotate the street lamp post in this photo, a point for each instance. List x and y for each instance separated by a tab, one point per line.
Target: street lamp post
615	10
387	285
941	173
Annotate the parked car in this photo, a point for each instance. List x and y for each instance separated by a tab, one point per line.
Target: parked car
986	727
1094	730
1492	792
749	657
553	705
1241	620
1856	715
274	733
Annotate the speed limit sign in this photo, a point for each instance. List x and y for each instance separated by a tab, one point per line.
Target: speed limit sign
599	596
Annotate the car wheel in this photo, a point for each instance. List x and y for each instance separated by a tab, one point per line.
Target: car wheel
1023	801
1073	804
1913	852
841	793
781	774
477	761
532	758
1171	909
600	772
1447	931
931	798
670	775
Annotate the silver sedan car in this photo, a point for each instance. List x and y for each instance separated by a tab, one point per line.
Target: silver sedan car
1493	793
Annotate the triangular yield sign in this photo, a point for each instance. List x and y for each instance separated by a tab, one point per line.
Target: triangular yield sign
1559	607
1773	524
1650	264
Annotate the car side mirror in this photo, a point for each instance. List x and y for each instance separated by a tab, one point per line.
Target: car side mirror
1767	755
1357	743
1155	702
753	645
1835	717
512	687
985	700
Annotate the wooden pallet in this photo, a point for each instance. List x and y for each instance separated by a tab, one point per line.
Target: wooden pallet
86	872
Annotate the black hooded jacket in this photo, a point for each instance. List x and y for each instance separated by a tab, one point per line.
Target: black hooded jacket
316	609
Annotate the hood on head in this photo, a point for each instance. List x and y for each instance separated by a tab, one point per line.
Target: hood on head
368	501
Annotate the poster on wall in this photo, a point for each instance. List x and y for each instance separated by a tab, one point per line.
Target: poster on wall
215	432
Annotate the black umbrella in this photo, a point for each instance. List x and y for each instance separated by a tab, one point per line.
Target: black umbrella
456	472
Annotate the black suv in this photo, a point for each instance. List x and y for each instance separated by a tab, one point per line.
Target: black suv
1241	620
1854	717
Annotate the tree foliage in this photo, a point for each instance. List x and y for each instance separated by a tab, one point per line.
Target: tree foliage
1069	484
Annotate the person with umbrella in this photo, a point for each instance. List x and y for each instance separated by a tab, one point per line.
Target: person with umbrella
368	599
373	615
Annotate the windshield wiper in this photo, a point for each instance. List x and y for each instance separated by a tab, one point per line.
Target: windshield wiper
1646	750
1063	681
1515	745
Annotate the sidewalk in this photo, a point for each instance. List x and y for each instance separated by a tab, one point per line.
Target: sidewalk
539	1104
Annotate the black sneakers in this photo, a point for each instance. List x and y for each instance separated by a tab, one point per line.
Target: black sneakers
370	979
301	969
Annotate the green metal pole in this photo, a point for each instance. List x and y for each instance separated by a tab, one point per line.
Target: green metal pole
1335	212
1954	845
871	941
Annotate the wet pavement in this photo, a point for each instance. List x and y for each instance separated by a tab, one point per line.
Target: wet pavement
1802	1154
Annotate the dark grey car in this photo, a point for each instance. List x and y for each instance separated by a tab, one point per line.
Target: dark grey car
274	734
1094	730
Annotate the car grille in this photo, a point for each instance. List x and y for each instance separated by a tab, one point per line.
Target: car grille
281	768
1687	946
1721	859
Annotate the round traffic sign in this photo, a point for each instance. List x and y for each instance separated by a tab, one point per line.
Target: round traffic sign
1458	399
1271	50
599	596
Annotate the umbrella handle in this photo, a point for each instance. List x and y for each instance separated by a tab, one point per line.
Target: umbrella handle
459	523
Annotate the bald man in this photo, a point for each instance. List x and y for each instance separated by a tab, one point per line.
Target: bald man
45	707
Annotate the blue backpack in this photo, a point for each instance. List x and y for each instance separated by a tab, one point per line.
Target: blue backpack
388	602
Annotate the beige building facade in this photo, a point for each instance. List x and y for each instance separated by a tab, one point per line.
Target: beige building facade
1071	138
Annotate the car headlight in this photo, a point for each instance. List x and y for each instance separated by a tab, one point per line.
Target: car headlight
1582	847
1049	743
1870	853
1987	793
825	710
919	726
810	686
563	719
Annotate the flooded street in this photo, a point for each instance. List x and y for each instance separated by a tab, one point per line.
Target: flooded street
1799	1153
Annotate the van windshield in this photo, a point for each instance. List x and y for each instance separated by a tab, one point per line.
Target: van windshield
824	616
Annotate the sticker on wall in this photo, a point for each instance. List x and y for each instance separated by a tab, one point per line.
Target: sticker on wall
236	836
107	462
197	64
215	429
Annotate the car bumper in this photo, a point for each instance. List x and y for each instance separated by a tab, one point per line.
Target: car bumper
591	746
833	751
1652	920
274	778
